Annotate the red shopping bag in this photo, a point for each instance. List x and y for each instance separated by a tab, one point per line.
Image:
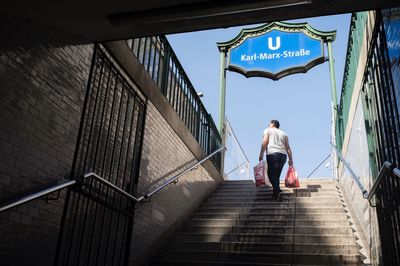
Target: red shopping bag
291	179
259	173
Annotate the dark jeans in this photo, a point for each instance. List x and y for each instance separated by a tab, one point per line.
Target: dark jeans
275	162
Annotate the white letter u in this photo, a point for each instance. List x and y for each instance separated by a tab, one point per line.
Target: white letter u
278	43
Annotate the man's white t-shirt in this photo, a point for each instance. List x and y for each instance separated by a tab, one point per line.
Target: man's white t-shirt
277	140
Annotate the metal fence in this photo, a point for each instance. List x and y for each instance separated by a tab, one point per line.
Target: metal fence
388	210
381	104
160	61
383	129
97	221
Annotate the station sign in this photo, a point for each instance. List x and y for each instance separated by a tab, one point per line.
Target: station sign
276	50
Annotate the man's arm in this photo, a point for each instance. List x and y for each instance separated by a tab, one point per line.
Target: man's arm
289	152
264	146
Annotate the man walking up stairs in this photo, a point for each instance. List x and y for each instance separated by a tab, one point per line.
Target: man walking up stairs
241	225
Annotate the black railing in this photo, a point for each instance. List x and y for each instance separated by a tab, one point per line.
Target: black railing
380	97
98	219
383	133
160	61
387	202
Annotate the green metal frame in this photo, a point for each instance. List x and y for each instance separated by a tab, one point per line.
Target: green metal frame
356	35
326	36
304	28
224	48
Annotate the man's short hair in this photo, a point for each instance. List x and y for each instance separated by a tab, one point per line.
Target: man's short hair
275	123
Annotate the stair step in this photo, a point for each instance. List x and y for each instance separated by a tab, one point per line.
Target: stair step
240	224
252	189
242	194
305	185
270	201
261	257
220	229
238	182
198	263
343	249
269	222
276	238
268	204
269	210
268	198
168	262
281	216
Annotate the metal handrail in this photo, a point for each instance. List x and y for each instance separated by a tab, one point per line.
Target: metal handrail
396	171
107	183
387	166
229	131
149	194
184	172
352	174
37	195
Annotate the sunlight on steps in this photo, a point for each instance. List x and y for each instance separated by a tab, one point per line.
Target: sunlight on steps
241	225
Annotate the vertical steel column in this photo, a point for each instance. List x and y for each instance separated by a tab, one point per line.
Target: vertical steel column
222	92
334	106
222	96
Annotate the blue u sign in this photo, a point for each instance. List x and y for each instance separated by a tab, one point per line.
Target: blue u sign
276	54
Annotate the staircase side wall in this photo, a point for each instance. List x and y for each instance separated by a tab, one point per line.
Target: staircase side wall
163	151
168	148
42	88
43	80
355	151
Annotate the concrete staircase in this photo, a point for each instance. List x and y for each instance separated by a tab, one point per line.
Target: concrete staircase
242	225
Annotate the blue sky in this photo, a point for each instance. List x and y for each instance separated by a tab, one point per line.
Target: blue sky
301	102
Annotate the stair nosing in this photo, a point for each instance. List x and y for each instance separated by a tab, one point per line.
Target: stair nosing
260	252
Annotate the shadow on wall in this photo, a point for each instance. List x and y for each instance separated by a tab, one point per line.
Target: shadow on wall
157	220
43	79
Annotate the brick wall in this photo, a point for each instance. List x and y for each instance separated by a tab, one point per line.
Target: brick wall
42	91
163	152
43	85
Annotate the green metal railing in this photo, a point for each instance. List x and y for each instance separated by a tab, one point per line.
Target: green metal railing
163	66
356	35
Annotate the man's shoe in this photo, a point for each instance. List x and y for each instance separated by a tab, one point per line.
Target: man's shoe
275	195
279	197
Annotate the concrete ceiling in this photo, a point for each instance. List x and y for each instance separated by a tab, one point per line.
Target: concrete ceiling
103	20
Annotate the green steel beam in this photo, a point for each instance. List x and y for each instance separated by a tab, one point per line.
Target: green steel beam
222	93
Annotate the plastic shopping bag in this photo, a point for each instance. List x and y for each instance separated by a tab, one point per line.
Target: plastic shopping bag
291	179
260	174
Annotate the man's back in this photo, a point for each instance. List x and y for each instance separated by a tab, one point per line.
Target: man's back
277	140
